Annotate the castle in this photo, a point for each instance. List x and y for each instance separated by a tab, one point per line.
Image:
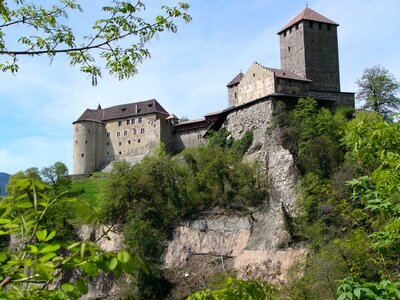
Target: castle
309	68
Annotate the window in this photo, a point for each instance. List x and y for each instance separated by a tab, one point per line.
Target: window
254	74
138	140
310	24
284	33
134	131
129	142
108	143
120	152
125	132
118	134
235	95
86	142
140	120
290	30
128	122
119	123
319	25
120	143
297	26
288	48
108	153
82	155
133	121
142	130
328	26
108	134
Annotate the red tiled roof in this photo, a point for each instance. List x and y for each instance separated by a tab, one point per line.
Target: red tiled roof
308	14
236	80
172	117
122	111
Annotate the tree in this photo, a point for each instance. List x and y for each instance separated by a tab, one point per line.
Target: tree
57	176
378	88
119	39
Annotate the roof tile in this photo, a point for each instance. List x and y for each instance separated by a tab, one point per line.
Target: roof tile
308	14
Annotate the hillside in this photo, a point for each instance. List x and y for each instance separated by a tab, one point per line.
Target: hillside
4	177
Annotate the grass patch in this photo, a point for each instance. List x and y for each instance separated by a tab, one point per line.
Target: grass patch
88	190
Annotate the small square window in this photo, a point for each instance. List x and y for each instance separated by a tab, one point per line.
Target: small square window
125	132
134	131
128	122
133	121
142	130
120	143
108	153
140	120
118	134
288	48
108	143
119	123
82	155
129	142
138	140
120	152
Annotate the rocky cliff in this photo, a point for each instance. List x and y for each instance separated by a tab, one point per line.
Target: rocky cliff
257	241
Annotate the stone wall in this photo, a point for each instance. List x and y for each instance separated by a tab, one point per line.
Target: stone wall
258	82
310	49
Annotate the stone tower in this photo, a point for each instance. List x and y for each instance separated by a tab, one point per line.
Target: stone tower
309	47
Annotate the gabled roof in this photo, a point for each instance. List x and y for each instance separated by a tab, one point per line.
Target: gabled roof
308	14
236	80
287	74
122	111
284	73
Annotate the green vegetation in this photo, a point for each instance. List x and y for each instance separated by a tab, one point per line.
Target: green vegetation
88	190
349	204
377	91
37	215
118	39
348	212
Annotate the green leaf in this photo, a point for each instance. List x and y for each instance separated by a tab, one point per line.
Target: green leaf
89	269
67	287
24	204
41	234
31	249
112	263
123	256
4	221
47	257
81	285
50	236
50	248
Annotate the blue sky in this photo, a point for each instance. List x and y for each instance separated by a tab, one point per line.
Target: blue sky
188	71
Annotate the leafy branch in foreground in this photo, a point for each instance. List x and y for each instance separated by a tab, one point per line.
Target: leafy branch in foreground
120	38
32	269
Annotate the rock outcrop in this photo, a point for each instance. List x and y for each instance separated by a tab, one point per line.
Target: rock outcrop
260	237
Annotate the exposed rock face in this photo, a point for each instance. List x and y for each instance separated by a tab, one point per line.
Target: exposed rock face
254	239
104	285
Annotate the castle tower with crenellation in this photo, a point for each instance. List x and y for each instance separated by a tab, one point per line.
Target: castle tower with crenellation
309	48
